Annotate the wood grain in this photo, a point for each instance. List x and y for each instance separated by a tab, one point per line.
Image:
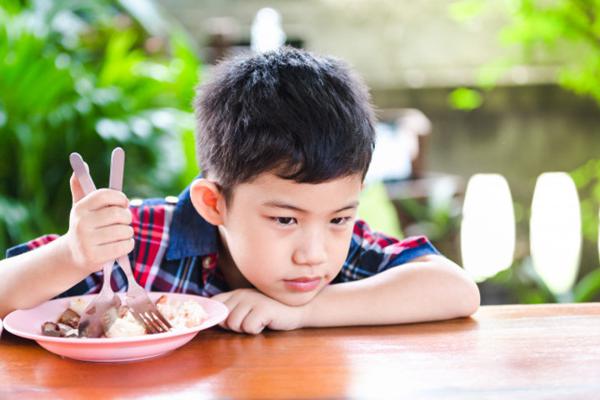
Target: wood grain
503	352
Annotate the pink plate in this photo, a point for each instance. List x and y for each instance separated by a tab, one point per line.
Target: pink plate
27	324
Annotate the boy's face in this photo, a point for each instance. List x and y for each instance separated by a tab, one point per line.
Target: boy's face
290	239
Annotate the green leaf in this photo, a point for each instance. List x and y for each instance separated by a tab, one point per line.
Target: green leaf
588	288
378	211
466	9
465	99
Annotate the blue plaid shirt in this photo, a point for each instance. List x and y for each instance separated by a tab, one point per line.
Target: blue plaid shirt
176	251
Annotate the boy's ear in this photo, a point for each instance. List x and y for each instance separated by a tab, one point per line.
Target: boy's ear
208	200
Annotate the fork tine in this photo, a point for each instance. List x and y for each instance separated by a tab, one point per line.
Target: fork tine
157	328
165	322
141	318
159	322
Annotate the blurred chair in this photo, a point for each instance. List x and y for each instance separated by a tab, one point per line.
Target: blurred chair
426	202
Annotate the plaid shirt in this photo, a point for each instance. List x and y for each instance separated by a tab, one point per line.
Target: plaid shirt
176	251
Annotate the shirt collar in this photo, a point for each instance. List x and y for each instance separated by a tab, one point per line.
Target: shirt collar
190	234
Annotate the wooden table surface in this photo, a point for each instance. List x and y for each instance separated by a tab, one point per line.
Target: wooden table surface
503	352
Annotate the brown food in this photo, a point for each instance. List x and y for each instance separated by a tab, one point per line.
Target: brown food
58	330
123	310
68	323
50	329
70	318
162	300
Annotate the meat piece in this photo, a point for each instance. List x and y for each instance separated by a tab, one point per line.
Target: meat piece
70	318
51	329
58	330
162	300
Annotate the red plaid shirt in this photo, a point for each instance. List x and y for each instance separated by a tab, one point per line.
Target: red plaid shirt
176	251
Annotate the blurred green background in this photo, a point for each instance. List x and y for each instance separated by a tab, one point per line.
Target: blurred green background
86	77
513	88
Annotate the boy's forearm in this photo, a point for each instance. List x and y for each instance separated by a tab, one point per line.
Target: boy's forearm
427	290
36	276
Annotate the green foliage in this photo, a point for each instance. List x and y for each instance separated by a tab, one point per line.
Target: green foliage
524	283
566	32
377	209
587	180
549	27
466	9
86	77
465	99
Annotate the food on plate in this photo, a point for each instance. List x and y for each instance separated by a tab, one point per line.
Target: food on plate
181	314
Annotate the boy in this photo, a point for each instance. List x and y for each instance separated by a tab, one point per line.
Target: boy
284	141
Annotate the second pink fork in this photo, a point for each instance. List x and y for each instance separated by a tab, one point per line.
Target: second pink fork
140	304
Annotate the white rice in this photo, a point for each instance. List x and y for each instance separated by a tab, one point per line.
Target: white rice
182	314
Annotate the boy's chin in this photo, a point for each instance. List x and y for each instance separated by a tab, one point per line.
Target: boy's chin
295	300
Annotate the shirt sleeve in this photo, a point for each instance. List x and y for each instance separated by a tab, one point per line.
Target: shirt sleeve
149	228
91	284
30	245
373	252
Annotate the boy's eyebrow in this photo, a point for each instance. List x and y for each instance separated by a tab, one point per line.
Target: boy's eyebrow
278	204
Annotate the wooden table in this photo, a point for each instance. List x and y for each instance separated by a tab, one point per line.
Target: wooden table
503	352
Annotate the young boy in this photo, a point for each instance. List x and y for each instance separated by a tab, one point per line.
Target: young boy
284	141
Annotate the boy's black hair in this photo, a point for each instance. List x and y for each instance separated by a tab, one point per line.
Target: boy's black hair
290	112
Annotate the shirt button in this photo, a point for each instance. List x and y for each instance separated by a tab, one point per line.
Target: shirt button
206	263
171	199
135	202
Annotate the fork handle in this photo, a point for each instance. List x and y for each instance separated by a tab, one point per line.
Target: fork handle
87	185
81	173
123	261
117	165
107	272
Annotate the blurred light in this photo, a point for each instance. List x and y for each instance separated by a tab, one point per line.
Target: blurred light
415	78
112	129
62	61
141	127
266	33
519	75
555	231
487	233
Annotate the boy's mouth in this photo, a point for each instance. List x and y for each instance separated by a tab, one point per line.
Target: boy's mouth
304	284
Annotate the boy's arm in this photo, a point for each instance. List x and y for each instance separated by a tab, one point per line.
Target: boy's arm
36	276
429	288
99	230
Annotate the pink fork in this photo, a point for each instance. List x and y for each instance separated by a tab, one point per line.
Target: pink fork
138	301
141	306
95	319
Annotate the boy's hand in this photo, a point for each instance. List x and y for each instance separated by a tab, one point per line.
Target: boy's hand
251	311
99	227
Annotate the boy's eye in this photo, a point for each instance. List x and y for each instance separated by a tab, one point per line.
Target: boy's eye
340	220
285	220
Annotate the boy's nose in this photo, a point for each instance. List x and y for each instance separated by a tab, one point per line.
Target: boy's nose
311	251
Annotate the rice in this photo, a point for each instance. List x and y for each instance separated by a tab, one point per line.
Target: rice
78	305
125	326
181	314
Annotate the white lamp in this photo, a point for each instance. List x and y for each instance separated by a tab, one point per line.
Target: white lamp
487	233
555	231
266	32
